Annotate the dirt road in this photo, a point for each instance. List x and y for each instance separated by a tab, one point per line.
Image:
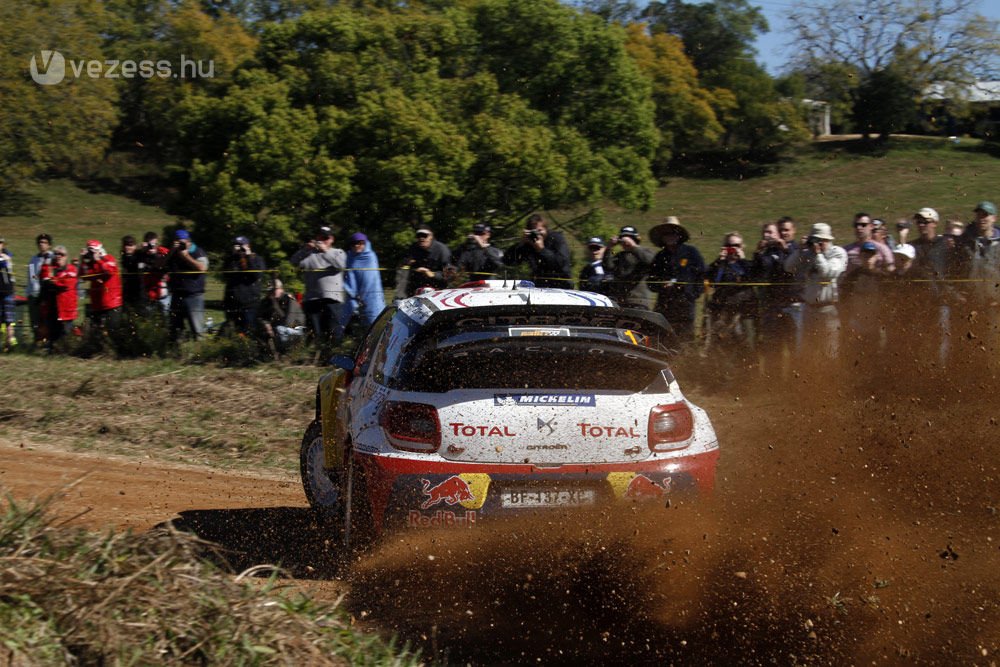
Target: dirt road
856	520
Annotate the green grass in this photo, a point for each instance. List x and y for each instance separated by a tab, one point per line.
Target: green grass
829	182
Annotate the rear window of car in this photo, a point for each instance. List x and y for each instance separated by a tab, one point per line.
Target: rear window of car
491	359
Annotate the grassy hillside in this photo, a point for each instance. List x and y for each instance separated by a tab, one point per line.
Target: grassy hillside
827	181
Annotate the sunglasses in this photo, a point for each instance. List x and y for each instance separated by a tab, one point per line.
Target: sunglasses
924	221
423	235
59	254
733	245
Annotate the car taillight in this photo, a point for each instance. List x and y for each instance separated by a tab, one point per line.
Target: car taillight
413	427
670	427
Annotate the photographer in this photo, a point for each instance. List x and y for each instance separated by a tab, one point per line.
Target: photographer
677	276
34	291
593	276
477	258
8	311
546	252
732	309
130	260
186	264
100	269
629	269
818	264
242	273
425	263
59	299
152	263
323	271
778	296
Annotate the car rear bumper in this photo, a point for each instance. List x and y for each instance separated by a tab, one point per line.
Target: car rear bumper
415	493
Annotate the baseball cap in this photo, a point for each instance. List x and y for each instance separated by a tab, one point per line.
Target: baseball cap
987	207
869	246
93	243
241	240
480	228
878	222
906	250
595	240
358	236
2	240
182	234
628	230
424	229
928	214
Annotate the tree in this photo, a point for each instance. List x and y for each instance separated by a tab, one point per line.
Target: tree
884	103
926	41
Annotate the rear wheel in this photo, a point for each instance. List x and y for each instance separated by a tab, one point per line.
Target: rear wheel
359	527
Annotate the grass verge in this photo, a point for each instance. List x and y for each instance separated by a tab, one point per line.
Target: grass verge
68	596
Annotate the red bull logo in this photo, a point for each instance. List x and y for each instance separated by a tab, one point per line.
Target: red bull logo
441	519
451	491
642	487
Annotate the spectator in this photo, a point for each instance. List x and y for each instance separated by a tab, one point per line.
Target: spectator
629	269
281	319
818	264
363	282
777	322
100	269
982	253
425	263
242	272
880	234
133	296
677	276
323	266
864	232
861	295
477	258
34	291
186	264
545	251
153	263
59	299
930	249
593	277
732	308
8	304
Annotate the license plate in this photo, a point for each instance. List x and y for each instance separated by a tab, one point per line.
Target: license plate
550	498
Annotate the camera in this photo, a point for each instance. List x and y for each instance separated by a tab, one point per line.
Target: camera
903	224
732	252
812	240
149	246
239	250
534	234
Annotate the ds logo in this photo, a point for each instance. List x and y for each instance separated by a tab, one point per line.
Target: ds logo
52	70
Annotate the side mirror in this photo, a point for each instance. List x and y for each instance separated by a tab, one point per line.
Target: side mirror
343	361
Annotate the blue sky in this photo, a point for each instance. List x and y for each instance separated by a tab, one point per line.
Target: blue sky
771	48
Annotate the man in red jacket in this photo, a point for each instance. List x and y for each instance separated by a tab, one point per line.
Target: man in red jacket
58	298
101	270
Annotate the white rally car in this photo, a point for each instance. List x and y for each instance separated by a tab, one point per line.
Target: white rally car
498	398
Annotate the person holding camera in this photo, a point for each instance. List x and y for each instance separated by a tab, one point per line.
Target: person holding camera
323	271
732	309
779	298
677	276
864	231
187	264
8	305
152	261
34	291
242	272
59	301
100	270
425	264
818	264
545	251
594	276
477	259
629	268
133	296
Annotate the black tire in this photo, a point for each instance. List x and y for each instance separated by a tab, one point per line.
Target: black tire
322	489
359	525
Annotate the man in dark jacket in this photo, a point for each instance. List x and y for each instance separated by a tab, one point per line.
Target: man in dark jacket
425	262
242	272
546	252
777	296
629	269
186	264
677	276
476	257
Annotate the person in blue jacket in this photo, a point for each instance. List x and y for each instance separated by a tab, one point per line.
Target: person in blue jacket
363	281
677	276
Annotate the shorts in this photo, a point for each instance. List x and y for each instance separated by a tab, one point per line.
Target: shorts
9	309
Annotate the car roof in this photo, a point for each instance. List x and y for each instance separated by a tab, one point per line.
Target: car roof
486	293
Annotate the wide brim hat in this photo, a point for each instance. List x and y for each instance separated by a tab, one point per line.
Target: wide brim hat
657	233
